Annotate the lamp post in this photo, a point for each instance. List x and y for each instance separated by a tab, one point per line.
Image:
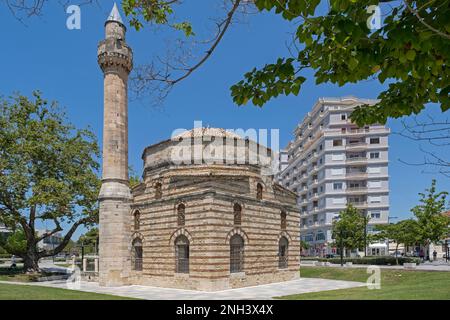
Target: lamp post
389	218
365	235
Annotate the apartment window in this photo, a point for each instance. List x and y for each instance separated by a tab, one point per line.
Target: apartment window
374	170
374	155
337	143
320	236
374	140
375	215
338	200
343	117
374	184
337	157
337	185
337	172
375	199
343	130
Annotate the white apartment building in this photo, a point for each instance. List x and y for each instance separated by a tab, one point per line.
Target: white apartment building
3	229
332	162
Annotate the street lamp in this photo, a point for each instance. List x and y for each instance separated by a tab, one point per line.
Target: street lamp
391	218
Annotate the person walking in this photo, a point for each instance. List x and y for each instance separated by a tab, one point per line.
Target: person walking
434	255
421	255
13	262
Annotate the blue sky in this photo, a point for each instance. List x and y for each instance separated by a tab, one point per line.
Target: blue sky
45	55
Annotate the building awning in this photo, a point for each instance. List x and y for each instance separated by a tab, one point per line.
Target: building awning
378	245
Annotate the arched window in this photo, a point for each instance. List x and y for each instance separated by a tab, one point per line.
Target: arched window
236	254
182	254
137	255
259	191
137	220
283	245
283	220
237	214
181	210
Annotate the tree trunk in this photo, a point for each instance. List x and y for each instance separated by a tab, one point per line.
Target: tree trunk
30	260
396	253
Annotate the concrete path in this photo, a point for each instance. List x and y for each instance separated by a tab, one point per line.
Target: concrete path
263	292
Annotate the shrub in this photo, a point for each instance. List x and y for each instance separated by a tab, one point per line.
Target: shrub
378	260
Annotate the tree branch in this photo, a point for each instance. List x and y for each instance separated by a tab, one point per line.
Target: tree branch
66	239
422	21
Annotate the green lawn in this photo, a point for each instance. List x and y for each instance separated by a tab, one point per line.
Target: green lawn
29	292
395	285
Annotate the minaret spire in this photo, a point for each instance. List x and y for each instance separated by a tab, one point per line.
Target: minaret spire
115	14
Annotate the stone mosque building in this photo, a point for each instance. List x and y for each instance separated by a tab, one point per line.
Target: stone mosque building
204	223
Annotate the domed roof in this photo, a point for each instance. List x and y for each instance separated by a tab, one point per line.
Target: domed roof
209	132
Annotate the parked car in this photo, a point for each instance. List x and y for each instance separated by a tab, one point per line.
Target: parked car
331	256
397	254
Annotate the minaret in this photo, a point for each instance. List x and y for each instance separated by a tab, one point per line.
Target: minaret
116	61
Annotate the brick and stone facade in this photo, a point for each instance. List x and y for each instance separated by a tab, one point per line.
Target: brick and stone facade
209	195
195	222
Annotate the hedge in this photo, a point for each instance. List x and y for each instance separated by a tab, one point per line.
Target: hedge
378	260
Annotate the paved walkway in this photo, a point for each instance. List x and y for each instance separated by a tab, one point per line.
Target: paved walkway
263	292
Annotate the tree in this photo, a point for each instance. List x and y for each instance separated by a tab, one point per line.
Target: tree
303	245
48	173
403	232
433	225
410	50
90	240
349	231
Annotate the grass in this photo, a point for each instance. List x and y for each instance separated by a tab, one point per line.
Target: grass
395	285
31	292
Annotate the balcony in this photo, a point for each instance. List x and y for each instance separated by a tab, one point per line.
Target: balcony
356	159
357	174
357	132
315	195
356	146
358	204
355	190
